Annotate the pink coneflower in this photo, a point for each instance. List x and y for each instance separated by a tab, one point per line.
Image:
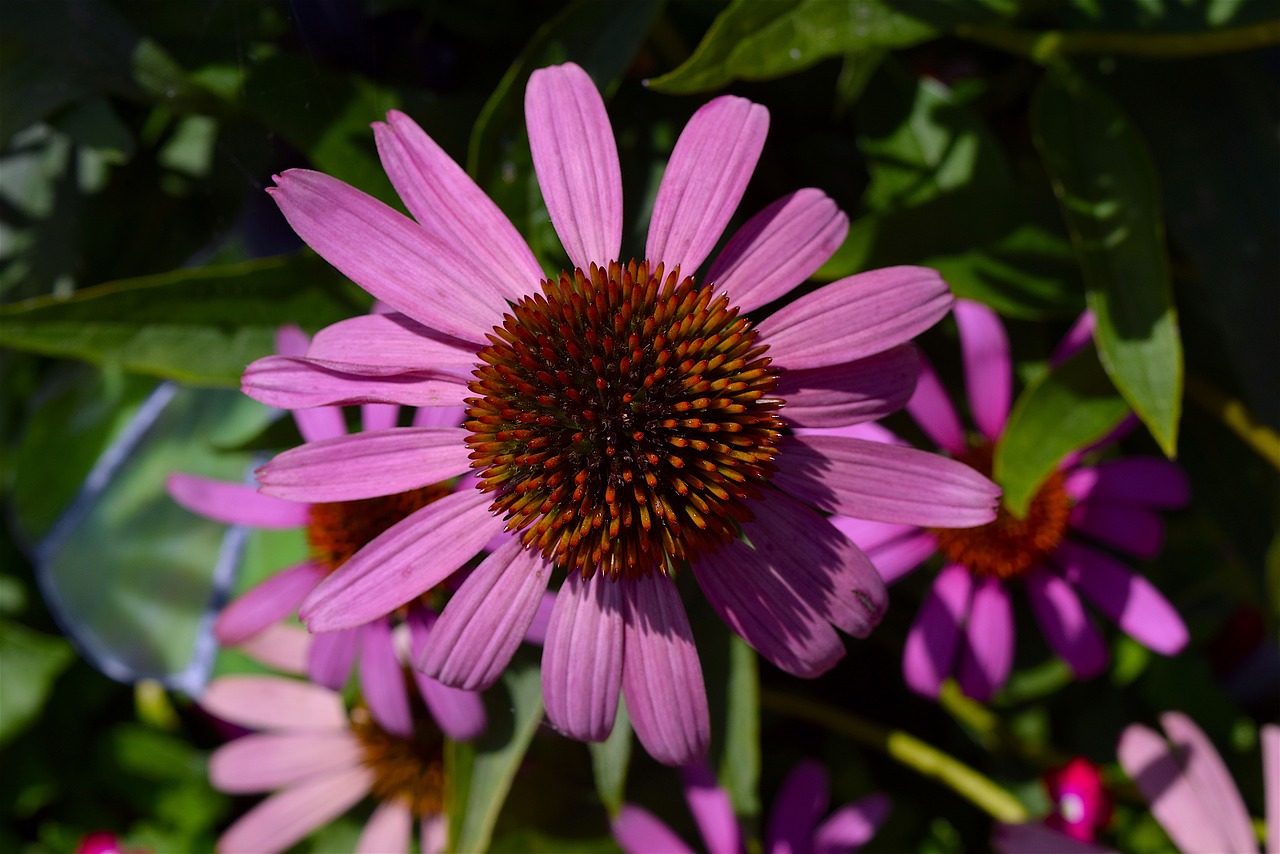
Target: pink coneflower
966	623
1081	804
795	824
321	760
623	417
335	531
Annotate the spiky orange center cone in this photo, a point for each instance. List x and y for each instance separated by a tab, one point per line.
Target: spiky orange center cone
625	419
339	529
1008	546
410	770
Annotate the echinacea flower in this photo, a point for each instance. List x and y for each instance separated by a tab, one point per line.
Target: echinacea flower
1081	803
965	625
335	531
795	824
624	418
320	760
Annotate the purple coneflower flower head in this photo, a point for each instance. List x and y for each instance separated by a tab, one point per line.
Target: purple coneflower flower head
335	531
624	418
320	760
795	824
1081	803
1062	548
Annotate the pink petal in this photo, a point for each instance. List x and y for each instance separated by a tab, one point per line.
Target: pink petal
434	834
382	679
439	416
1209	777
289	383
638	831
865	390
403	562
930	407
886	483
855	317
287	817
281	646
365	465
1159	775
388	831
868	430
987	656
1065	624
261	762
331	657
661	676
321	422
291	340
483	624
930	650
391	341
450	206
388	254
379	416
704	181
267	603
868	535
896	559
582	660
537	632
988	371
1080	334
779	248
1145	481
460	714
711	809
1133	530
576	160
851	826
272	703
1129	599
801	801
1271	785
1036	838
235	503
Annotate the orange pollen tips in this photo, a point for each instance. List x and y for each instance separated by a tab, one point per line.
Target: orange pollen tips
625	419
1009	547
340	529
408	770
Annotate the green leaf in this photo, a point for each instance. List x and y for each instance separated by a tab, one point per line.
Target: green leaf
201	326
481	773
1108	191
610	760
1064	409
30	661
740	764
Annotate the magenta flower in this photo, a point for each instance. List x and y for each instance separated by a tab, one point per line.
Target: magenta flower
1081	803
623	418
335	531
966	623
321	760
795	824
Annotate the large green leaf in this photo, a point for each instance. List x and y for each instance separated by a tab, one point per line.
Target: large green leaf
1109	194
740	763
201	326
1064	409
611	758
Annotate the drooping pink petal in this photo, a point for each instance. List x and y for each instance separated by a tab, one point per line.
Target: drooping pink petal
439	416
364	465
930	650
1133	530
639	831
391	341
267	603
898	558
1080	334
1036	838
851	826
379	416
576	160
281	646
460	714
779	248
1209	777
865	390
1065	624
886	483
855	317
320	422
582	661
868	535
1132	601
1270	736
484	622
289	383
988	371
537	631
930	407
705	178
388	831
388	254
433	836
711	808
1145	481
661	675
868	430
382	679
801	801
331	657
273	703
288	816
260	762
406	560
449	205
1158	773
234	503
291	340
987	655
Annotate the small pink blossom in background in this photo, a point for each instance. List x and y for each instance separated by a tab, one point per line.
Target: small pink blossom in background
795	824
1064	548
456	273
103	842
1081	804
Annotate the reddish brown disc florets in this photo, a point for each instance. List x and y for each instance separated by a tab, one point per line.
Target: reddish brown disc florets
339	529
1008	547
409	770
625	419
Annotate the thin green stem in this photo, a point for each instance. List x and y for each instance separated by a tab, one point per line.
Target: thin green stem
1237	417
907	749
987	727
1045	46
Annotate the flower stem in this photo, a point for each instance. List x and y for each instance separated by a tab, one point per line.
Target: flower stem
1046	46
1237	418
907	749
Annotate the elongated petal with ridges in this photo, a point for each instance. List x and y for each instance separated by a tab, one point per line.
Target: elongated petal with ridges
290	383
392	341
988	371
382	680
331	657
235	503
865	390
582	660
266	603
